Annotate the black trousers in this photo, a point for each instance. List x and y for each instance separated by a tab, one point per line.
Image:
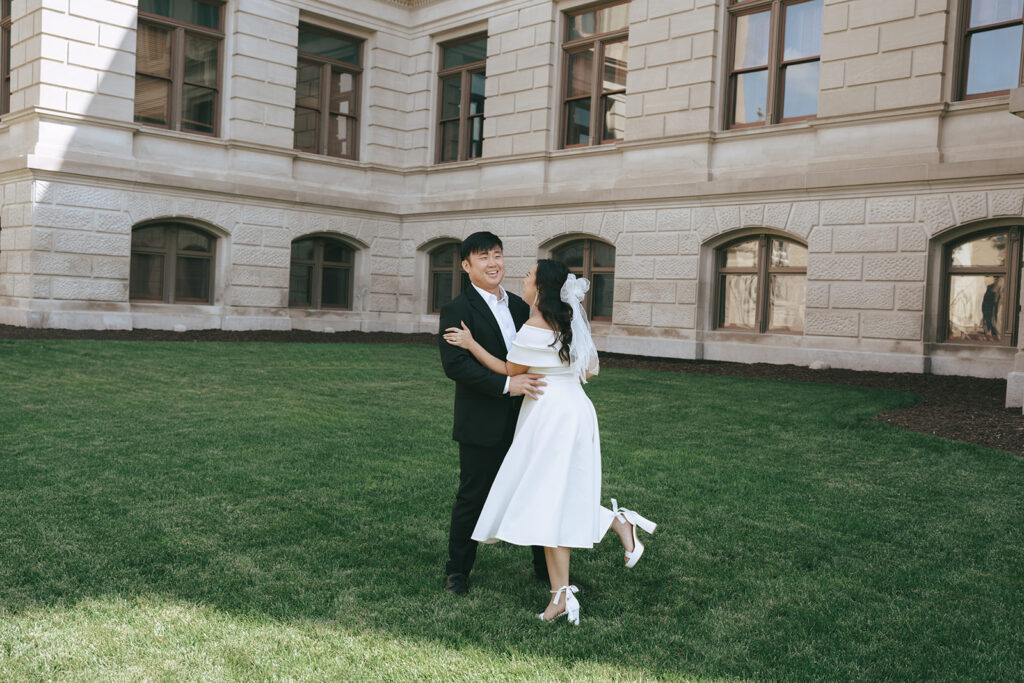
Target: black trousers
478	465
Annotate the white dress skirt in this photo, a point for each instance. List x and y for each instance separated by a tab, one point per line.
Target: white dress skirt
548	489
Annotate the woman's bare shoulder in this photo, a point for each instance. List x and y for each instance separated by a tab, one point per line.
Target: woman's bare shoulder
538	322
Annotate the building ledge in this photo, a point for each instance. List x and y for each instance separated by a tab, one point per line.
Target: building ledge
1017	102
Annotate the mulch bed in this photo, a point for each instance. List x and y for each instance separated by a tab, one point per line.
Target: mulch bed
963	408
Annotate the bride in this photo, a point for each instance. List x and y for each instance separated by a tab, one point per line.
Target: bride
548	490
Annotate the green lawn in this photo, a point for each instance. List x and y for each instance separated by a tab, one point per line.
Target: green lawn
212	511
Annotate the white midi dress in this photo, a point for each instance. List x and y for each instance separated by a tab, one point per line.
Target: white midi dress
548	489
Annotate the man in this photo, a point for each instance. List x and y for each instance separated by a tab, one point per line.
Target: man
486	403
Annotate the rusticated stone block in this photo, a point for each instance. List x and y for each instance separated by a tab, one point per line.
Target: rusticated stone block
611	225
384	303
47	263
935	213
624	245
913	238
247	234
675	267
842	212
728	217
802	218
89	197
1006	202
705	222
516	225
78	242
384	284
671	220
830	323
89	290
970	206
865	238
259	297
673	315
820	240
660	243
686	292
689	243
641	221
263	215
63	217
388	247
776	215
752	215
906	267
632	314
623	288
648	291
260	256
817	295
382	265
909	297
891	325
111	267
634	268
861	295
845	267
891	210
113	221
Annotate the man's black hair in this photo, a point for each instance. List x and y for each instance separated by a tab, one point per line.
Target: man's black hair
479	241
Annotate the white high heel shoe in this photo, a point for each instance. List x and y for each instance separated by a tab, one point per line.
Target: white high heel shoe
635	520
572	605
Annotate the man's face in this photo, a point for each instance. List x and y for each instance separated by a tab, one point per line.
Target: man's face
485	268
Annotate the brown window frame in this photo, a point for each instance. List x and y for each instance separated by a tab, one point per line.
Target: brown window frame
466	73
763	270
588	270
324	113
317	275
776	65
1011	309
177	78
170	254
459	277
5	56
597	91
966	32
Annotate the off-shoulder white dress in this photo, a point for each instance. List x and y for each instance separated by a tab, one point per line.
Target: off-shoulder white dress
548	490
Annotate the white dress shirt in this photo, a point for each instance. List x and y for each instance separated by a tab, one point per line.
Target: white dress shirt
503	316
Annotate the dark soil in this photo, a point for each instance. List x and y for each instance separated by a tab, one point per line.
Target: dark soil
961	408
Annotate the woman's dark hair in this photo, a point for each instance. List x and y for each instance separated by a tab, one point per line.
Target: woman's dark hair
550	277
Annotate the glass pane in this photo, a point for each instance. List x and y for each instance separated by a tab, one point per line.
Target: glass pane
300	283
197	108
306	123
571	255
599	21
984	251
302	249
615	66
788	255
739	299
201	60
444	256
800	94
451	97
581	73
578	126
147	276
442	284
340	136
985	12
335	288
477	84
450	141
476	137
148	238
603	292
343	92
604	255
336	252
751	40
192	279
750	97
994	60
307	85
191	11
465	53
332	46
742	255
153	51
786	303
803	30
974	307
614	117
190	240
151	98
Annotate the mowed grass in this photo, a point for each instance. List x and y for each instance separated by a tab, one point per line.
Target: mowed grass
177	511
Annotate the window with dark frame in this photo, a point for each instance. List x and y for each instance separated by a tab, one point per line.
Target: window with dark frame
774	58
327	92
761	284
993	47
447	278
595	261
981	287
594	92
460	127
172	263
321	274
178	64
5	55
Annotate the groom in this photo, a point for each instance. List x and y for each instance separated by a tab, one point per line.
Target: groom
486	403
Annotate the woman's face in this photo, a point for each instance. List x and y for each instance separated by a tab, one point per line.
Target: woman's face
530	285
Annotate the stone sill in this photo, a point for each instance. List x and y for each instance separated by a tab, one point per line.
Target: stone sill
1017	102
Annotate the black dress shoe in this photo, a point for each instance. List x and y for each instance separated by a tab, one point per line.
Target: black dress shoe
456	583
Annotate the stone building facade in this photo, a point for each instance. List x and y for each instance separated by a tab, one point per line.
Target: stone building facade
874	184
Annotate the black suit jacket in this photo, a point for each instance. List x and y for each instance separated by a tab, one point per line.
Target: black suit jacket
481	409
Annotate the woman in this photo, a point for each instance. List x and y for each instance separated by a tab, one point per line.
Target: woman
548	489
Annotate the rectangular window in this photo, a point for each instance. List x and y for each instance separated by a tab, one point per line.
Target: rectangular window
5	55
460	128
993	38
774	58
594	92
327	93
178	64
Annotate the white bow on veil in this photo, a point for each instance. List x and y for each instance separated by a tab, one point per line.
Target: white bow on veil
582	352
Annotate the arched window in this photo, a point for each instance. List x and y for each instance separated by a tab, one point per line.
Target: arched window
595	261
447	279
321	273
981	287
172	263
762	282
